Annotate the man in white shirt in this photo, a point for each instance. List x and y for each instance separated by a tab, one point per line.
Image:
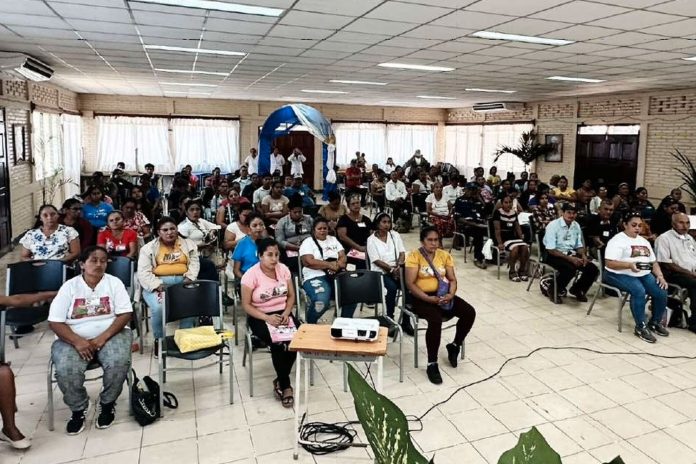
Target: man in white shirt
252	161
296	160
452	191
243	178
262	192
277	162
397	197
389	167
424	184
676	252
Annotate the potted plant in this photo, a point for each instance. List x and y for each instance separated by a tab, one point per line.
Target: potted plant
527	151
687	172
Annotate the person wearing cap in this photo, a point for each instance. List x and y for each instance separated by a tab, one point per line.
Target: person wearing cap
566	254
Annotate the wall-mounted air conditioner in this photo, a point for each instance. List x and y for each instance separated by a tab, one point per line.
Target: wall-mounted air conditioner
497	106
25	66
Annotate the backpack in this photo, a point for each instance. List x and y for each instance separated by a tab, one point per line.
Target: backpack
679	317
402	226
545	284
145	400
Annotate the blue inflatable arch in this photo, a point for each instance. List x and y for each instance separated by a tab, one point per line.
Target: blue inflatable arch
281	121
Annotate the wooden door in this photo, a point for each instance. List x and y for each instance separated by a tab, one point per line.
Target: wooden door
606	160
5	226
305	142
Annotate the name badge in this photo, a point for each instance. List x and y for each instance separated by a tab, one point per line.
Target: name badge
605	233
361	224
510	224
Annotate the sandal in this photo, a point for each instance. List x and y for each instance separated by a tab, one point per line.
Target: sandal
513	276
276	390
288	399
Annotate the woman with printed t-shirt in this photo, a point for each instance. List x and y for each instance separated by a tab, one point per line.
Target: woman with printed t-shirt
322	258
115	239
508	236
245	253
49	239
268	297
89	316
167	260
353	229
431	280
632	267
275	205
95	209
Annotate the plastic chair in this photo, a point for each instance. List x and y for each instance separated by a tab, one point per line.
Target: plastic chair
540	261
498	255
124	268
28	277
193	299
623	296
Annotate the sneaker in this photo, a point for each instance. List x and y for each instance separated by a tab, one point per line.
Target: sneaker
453	353
481	264
434	374
76	424
644	334
155	350
406	326
659	329
107	414
580	296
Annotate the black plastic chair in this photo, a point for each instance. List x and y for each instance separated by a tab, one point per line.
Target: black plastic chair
539	268
28	277
193	299
365	287
499	255
123	267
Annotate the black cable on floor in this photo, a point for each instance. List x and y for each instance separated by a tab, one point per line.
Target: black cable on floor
329	437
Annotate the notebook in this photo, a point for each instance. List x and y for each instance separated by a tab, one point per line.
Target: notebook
282	333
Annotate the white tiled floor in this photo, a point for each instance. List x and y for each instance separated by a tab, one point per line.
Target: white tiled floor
590	407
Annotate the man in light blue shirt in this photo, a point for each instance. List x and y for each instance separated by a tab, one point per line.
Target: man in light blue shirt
566	254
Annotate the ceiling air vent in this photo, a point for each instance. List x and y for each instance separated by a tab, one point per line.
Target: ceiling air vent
498	106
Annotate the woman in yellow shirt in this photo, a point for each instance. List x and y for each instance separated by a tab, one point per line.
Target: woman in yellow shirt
422	284
563	192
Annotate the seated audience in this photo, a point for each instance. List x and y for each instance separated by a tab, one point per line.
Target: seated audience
239	229
201	232
333	210
486	195
631	267
603	226
506	189
468	212
642	204
49	239
596	202
245	253
180	189
291	230
136	220
322	258
308	198
582	205
71	216
675	194
527	194
90	317
452	191
566	254
352	231
228	211
543	213
216	178
116	239
478	172
662	219
439	211
243	180
397	197
417	160
521	183
268	296
622	200
248	191
275	205
423	184
428	270
389	167
152	193
563	192
493	179
223	188
262	192
508	236
142	204
353	179
676	253
95	209
165	261
377	188
187	173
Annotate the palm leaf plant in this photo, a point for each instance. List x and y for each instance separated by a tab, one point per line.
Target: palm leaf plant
528	149
687	172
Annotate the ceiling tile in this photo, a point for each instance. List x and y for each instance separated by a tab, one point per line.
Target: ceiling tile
407	12
677	7
408	42
168	20
519	8
683	29
636	20
581	33
294	32
307	19
13	19
357	37
436	32
527	26
472	20
579	12
81	25
27	7
372	25
94	13
351	8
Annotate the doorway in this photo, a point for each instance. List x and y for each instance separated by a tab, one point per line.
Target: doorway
5	225
607	158
305	142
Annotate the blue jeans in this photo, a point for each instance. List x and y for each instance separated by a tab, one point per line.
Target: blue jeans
155	302
320	292
639	288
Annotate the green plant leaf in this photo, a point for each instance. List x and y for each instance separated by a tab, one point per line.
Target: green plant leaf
616	460
385	425
531	448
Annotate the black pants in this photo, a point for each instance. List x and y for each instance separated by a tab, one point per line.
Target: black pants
689	284
208	271
282	358
566	272
402	209
477	234
435	316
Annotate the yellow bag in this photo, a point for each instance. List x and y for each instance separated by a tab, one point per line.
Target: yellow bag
196	338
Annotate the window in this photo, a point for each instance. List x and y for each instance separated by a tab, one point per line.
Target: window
47	144
135	141
72	153
206	144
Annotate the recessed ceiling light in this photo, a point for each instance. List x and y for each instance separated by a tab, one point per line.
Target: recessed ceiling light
193	50
188	71
574	79
691	58
189	84
341	81
418	67
490	90
322	91
217	6
520	38
435	97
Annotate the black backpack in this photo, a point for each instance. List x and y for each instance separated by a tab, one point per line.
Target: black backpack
145	400
679	317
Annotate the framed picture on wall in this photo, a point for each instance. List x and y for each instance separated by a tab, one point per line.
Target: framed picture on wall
19	140
556	156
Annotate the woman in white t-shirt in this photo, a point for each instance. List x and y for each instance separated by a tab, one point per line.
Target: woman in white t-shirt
439	211
386	253
89	316
631	267
322	258
268	297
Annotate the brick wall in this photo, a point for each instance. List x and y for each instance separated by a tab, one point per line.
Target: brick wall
673	104
662	139
610	107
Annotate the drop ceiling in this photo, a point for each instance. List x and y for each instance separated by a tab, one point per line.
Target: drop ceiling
97	46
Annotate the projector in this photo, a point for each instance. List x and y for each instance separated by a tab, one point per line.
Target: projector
365	330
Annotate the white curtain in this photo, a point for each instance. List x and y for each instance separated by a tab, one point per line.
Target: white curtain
471	146
404	139
206	144
47	144
119	138
72	153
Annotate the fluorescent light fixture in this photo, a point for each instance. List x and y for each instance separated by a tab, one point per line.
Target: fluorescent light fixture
520	38
574	79
217	6
341	81
691	58
417	67
321	91
206	51
189	84
490	90
435	97
188	71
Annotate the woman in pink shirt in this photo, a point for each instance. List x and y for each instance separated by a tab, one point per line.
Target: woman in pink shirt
268	297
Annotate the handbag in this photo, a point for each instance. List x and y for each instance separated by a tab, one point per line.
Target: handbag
443	286
145	400
196	338
330	275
